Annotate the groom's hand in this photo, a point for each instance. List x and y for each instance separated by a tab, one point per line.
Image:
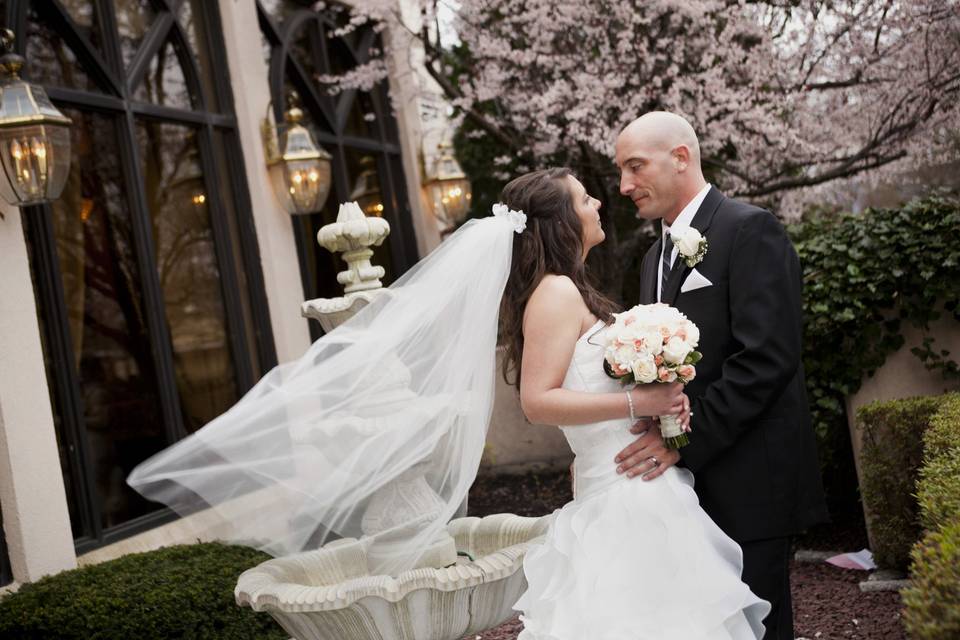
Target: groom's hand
647	455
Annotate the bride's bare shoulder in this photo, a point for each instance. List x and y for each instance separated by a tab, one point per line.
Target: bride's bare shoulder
555	296
556	290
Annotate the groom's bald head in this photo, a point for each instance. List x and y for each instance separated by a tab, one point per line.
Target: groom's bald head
658	155
666	131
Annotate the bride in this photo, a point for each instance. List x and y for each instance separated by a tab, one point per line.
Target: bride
627	559
404	390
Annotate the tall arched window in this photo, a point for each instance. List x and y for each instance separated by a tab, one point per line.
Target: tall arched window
356	127
146	269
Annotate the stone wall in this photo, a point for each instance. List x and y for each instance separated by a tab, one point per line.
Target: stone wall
514	445
904	376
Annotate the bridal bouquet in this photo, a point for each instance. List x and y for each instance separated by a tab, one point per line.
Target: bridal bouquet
653	343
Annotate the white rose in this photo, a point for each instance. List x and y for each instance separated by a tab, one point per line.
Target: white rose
652	341
645	370
687	240
693	334
676	350
624	355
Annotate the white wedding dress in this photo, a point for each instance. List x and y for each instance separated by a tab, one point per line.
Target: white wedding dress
629	559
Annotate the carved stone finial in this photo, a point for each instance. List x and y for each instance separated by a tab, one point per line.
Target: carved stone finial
352	235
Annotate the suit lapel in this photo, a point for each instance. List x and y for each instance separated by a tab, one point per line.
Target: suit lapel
648	274
701	222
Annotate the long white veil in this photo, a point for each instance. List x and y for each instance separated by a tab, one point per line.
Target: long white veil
326	446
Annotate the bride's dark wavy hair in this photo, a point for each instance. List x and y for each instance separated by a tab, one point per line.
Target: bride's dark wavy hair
551	244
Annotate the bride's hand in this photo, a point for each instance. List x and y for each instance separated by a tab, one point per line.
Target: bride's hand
658	399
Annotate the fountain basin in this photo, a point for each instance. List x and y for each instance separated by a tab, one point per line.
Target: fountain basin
328	594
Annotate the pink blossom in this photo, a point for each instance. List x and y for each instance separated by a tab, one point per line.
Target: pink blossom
687	371
785	96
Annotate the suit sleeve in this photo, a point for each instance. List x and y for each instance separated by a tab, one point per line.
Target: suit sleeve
765	321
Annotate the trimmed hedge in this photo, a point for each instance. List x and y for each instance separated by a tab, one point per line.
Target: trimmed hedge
932	602
938	492
175	592
943	434
893	441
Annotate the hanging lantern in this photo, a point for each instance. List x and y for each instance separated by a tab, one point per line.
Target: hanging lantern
366	190
448	191
34	136
300	175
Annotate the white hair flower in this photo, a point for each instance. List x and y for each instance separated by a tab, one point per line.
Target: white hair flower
517	218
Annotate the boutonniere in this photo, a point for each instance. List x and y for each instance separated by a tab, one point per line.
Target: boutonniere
691	244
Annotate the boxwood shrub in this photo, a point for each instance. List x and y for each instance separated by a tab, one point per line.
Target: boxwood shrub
932	602
175	592
891	456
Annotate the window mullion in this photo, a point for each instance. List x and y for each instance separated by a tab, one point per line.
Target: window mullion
107	17
230	288
160	340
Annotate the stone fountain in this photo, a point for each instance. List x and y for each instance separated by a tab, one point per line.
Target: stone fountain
329	594
352	235
469	576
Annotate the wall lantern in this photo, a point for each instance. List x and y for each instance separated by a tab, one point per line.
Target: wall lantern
300	174
448	191
34	136
366	189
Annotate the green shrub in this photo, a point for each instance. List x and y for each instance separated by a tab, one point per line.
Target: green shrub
943	435
175	592
938	489
890	459
932	602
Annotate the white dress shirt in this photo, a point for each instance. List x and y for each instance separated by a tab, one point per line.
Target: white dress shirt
683	220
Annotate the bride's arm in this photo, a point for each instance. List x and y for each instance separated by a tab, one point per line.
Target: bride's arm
551	327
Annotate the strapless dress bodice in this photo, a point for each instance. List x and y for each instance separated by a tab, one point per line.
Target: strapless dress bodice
595	445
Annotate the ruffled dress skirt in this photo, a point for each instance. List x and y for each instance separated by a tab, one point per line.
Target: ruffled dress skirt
636	560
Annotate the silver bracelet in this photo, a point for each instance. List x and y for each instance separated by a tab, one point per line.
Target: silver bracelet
633	416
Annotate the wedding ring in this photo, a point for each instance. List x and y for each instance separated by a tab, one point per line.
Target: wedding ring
656	463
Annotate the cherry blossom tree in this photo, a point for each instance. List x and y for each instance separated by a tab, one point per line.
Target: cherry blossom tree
789	97
785	93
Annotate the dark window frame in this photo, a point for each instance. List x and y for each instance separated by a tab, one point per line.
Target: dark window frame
6	573
333	110
116	102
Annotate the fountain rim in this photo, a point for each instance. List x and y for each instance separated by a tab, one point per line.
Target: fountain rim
261	590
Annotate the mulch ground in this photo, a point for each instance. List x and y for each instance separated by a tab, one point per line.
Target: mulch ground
827	602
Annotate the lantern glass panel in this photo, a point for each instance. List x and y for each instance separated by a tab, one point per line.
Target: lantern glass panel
35	160
308	183
451	201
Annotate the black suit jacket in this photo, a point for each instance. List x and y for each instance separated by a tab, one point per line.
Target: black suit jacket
752	449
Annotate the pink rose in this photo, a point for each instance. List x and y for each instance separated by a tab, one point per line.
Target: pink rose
687	371
666	375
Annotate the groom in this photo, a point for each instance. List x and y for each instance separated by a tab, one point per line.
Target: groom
752	449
